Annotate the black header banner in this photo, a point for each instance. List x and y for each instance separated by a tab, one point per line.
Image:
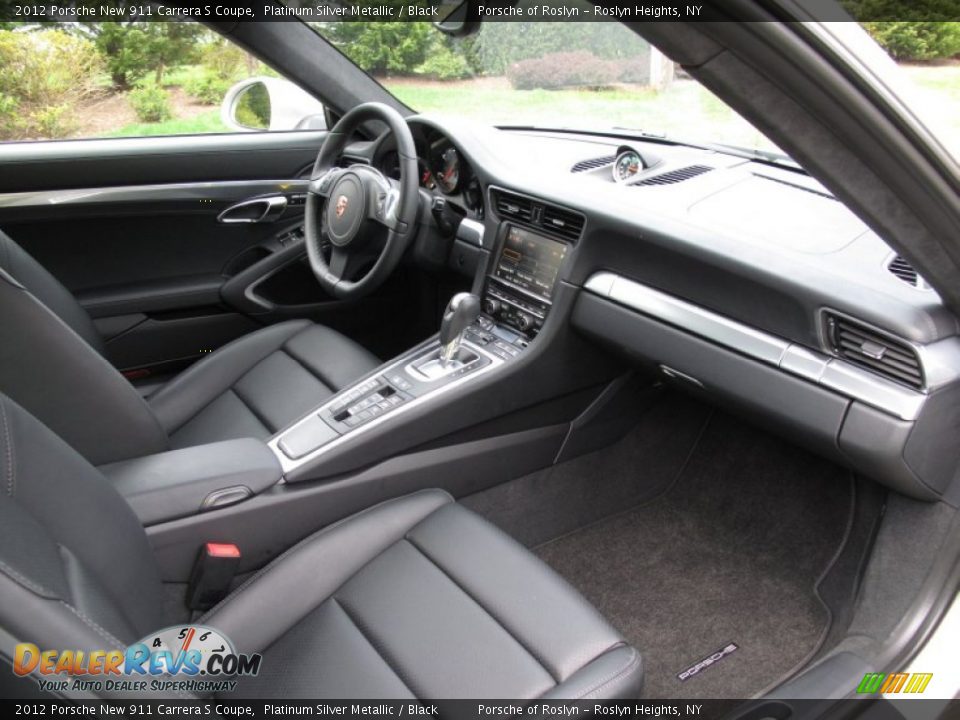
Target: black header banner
476	10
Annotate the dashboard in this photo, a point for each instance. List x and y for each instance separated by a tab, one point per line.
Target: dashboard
733	278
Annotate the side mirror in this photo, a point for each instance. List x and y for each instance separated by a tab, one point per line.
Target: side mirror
269	103
456	18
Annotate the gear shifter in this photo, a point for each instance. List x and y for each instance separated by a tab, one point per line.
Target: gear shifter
462	310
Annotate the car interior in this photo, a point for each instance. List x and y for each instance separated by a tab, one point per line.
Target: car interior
598	408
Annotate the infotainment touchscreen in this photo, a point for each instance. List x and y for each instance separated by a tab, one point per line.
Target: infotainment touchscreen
530	261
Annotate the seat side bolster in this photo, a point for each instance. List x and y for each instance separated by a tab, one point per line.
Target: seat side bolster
49	291
55	375
195	388
294	584
616	675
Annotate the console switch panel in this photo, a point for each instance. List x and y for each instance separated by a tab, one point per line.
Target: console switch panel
312	434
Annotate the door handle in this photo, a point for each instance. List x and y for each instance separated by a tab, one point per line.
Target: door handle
257	210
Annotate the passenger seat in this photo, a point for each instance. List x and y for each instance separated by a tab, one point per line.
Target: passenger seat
414	598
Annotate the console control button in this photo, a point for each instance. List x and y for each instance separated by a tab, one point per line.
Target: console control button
399	381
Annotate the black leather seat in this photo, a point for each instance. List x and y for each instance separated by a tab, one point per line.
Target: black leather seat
52	363
415	597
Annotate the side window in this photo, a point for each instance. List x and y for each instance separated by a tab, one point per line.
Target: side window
134	79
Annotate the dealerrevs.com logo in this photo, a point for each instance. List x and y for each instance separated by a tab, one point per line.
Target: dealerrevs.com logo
190	658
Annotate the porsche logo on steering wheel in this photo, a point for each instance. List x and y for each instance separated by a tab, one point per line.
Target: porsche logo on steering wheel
341	206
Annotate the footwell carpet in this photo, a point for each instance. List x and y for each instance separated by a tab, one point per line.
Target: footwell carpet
730	552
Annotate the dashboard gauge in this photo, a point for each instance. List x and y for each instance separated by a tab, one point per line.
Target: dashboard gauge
426	177
627	164
390	166
446	170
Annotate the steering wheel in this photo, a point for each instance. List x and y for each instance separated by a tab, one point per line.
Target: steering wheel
367	218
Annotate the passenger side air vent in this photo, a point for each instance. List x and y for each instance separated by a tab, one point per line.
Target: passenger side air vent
901	268
674	176
593	164
873	349
557	220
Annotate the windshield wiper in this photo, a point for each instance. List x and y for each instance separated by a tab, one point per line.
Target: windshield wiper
767	156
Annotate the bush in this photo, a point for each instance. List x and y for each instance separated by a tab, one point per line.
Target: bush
562	70
223	60
44	76
917	40
151	103
444	64
8	115
221	65
635	69
207	88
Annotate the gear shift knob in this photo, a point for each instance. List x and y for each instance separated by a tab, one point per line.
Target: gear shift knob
462	310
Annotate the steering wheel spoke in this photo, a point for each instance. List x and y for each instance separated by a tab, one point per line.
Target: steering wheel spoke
342	264
322	185
383	207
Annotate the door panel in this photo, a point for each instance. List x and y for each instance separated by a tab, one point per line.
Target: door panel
131	228
143	161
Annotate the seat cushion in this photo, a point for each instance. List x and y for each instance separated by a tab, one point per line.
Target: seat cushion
420	598
259	384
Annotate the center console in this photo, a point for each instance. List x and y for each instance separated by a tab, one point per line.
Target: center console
517	297
519	290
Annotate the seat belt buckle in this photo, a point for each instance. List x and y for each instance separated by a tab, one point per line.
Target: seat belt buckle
212	575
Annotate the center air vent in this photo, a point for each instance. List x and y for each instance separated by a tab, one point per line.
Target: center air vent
593	164
901	268
674	176
873	349
527	211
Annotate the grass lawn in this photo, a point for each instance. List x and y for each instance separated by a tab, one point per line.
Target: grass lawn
939	97
208	122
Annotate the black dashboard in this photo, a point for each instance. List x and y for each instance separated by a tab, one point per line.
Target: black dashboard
732	277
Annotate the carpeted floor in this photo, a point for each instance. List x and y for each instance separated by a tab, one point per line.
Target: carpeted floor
731	553
693	532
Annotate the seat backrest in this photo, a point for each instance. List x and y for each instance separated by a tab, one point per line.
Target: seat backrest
52	371
48	290
76	570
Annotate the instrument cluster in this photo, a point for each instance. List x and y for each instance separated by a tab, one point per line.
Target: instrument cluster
441	168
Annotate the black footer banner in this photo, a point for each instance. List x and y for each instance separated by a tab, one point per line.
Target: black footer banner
862	709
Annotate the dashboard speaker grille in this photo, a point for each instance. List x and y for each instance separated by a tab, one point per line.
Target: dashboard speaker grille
527	211
901	268
674	176
874	350
593	164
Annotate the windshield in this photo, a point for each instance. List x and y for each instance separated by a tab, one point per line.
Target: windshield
602	76
577	75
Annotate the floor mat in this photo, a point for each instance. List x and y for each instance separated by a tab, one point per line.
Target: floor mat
730	553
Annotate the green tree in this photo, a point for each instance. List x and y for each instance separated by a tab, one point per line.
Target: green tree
383	47
917	40
910	29
133	49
